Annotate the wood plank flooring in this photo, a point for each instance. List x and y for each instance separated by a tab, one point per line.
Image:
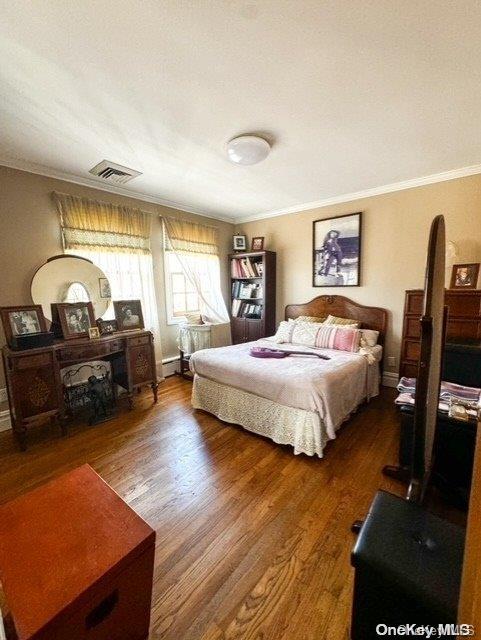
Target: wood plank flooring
253	543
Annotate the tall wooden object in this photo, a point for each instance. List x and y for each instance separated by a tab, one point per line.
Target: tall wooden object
464	321
76	562
247	329
34	382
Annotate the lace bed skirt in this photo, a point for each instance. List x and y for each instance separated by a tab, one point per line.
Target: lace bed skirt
303	430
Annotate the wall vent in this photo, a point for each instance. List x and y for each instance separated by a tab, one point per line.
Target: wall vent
112	172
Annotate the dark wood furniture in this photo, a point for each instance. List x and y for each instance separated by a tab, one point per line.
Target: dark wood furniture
185	371
249	329
369	317
76	562
34	385
464	321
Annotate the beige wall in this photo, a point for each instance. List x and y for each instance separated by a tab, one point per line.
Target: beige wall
394	242
30	233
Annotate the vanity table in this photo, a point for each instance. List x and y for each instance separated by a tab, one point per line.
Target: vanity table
34	385
37	387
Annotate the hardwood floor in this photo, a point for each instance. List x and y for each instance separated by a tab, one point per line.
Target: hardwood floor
253	543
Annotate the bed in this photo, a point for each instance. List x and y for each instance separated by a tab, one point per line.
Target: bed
299	401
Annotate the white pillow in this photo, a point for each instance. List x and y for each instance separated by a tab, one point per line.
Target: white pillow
369	337
284	332
305	333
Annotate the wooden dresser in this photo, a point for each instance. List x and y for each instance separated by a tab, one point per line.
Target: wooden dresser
464	321
34	385
76	562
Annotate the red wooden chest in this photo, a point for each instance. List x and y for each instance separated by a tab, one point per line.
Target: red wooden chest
76	562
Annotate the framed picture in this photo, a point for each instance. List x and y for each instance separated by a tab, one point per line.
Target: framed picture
465	276
336	259
257	244
104	287
107	327
94	333
74	318
22	320
128	314
240	243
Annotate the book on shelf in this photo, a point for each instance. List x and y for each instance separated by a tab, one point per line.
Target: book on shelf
246	268
244	308
246	290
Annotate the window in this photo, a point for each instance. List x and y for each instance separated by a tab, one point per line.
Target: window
191	283
181	295
130	276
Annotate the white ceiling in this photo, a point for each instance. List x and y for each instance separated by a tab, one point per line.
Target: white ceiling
354	94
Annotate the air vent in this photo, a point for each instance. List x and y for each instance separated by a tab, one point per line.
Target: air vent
112	172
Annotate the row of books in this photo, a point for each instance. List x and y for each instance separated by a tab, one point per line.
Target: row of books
243	309
246	268
246	290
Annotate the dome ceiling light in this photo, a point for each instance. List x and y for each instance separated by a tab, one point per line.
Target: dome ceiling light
248	149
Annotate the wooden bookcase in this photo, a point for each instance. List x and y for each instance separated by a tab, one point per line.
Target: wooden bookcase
253	317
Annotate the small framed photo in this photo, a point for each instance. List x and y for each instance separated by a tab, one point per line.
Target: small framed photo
94	333
465	276
128	314
257	244
239	243
22	320
74	318
107	327
104	288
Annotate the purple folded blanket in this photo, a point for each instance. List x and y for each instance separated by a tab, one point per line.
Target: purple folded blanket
448	390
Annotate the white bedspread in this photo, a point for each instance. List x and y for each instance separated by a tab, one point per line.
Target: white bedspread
333	388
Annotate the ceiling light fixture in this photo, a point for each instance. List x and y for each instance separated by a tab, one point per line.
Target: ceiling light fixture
248	150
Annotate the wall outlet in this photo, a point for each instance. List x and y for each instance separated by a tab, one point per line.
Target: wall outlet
391	361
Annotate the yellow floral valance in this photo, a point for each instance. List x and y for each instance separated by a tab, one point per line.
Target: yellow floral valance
190	237
93	225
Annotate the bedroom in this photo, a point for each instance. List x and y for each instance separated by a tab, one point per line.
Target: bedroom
360	109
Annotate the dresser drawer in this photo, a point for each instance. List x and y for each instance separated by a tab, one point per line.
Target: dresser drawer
32	361
116	345
413	327
411	351
139	341
83	352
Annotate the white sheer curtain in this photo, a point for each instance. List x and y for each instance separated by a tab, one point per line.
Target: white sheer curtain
196	248
203	271
131	276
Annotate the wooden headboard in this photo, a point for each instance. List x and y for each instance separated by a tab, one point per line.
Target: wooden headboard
369	317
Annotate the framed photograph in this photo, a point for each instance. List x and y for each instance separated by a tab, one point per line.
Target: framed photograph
94	333
104	287
128	314
75	318
22	320
465	276
107	327
257	244
336	260
239	243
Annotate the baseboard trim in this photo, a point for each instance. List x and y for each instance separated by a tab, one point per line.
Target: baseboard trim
170	366
390	379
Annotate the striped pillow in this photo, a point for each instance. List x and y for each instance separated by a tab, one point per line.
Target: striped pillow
338	337
341	321
310	319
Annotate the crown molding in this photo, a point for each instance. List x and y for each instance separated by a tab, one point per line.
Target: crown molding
32	167
367	193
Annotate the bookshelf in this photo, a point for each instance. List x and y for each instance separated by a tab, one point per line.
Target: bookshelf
253	295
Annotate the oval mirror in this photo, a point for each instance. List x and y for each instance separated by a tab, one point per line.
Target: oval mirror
69	278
